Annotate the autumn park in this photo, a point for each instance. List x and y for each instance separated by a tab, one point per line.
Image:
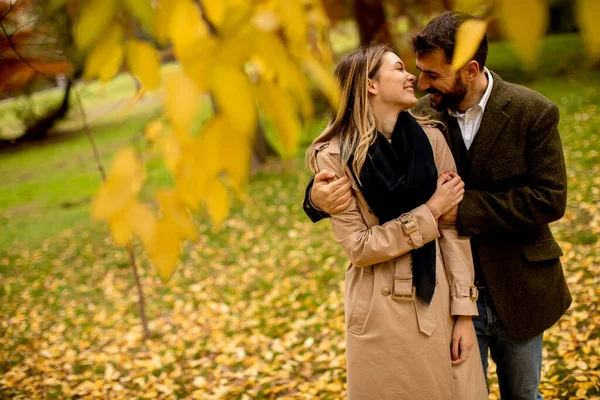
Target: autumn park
153	240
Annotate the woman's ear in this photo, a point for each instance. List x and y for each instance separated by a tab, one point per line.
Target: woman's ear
372	86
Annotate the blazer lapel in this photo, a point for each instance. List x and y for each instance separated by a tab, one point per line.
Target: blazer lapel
493	123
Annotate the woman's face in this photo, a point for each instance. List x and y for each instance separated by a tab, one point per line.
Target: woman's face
393	84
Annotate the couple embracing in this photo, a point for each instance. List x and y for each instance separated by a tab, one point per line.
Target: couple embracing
442	205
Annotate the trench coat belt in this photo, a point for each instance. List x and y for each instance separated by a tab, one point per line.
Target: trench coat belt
403	290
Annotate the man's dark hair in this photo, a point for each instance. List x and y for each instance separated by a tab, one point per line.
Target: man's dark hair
440	33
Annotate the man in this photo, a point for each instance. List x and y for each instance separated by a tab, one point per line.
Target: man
508	151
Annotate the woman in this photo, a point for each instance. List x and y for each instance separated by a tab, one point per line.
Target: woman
409	299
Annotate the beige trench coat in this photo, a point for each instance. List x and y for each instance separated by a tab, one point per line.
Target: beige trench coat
396	347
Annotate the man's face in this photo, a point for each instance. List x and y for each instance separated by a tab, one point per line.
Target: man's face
437	78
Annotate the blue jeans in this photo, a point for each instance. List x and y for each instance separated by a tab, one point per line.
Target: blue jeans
518	362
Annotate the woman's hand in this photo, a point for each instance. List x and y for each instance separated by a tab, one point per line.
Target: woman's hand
450	192
463	339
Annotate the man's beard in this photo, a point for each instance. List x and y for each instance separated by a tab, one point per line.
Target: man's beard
452	99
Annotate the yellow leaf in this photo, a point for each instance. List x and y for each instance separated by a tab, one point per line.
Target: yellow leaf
317	17
143	11
144	62
468	38
120	229
153	130
280	109
196	63
105	59
122	184
163	14
177	214
324	80
232	93
95	17
215	11
143	223
587	17
136	219
581	392
217	203
524	22
208	145
266	20
164	249
185	26
273	55
201	161
238	13
190	179
171	152
236	159
182	99
293	19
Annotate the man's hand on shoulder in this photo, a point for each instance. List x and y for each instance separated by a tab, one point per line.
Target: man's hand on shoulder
329	193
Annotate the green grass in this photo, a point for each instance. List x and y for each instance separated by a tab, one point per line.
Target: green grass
47	188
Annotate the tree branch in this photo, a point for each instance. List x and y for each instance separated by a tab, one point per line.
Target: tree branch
141	304
11	6
19	56
130	252
86	128
211	27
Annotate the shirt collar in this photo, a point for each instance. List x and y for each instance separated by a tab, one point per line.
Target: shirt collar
484	99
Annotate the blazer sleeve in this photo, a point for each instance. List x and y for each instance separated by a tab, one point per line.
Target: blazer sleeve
455	249
541	201
311	211
368	246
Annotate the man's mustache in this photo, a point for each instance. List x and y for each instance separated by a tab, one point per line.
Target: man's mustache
434	91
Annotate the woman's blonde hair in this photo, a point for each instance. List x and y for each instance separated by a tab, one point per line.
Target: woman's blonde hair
353	123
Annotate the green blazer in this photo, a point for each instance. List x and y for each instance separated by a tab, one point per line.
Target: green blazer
516	186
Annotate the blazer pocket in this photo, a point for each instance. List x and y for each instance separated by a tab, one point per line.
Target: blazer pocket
362	303
511	167
545	250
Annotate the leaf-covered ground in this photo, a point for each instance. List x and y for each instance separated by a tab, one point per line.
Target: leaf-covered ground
256	310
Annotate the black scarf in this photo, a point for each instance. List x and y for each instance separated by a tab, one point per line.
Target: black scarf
398	177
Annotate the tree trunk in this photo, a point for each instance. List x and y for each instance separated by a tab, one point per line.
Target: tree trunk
39	130
372	24
261	149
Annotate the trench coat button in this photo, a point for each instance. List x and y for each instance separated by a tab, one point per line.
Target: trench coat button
386	291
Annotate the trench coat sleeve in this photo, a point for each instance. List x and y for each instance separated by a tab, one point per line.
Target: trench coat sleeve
541	201
456	249
369	246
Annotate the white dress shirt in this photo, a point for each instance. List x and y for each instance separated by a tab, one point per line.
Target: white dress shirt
470	121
